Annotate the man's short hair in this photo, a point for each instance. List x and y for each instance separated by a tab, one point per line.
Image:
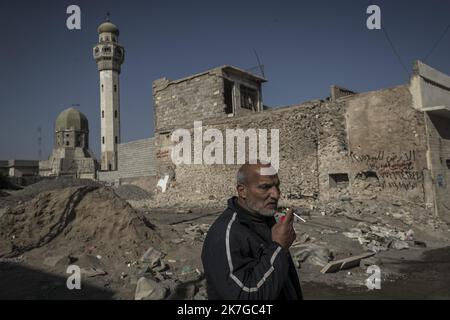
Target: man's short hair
241	176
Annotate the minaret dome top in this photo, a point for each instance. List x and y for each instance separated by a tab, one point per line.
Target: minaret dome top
108	27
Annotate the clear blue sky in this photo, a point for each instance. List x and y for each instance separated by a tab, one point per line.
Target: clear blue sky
305	46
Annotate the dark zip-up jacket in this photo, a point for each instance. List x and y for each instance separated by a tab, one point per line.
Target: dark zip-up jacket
241	262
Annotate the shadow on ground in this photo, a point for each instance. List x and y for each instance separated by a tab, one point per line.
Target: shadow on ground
24	283
428	278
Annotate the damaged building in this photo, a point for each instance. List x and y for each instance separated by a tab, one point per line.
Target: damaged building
392	143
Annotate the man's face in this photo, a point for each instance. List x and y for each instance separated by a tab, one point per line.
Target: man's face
261	192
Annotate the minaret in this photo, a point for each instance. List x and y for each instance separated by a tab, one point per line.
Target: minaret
109	56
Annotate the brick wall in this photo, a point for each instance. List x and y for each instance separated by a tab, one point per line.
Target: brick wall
180	102
298	150
136	159
377	139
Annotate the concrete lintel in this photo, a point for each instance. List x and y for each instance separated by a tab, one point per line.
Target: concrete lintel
429	73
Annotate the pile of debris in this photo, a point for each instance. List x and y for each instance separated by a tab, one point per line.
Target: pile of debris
197	232
311	253
173	198
378	238
155	279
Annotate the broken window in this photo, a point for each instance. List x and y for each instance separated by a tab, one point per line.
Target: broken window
339	180
228	96
248	98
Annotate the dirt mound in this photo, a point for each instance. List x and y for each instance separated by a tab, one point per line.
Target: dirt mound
48	184
75	221
132	192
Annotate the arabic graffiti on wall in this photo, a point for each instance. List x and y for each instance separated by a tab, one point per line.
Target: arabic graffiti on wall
395	170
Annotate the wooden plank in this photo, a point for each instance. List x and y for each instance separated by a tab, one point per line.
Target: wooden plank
346	263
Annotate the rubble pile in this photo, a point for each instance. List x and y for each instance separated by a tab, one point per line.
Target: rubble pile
156	279
197	232
376	210
311	253
173	199
378	238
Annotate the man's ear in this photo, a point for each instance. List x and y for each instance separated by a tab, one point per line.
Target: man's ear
242	191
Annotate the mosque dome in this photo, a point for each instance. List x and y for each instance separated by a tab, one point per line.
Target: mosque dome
108	27
71	119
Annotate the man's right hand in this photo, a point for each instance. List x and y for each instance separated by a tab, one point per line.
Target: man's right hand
283	232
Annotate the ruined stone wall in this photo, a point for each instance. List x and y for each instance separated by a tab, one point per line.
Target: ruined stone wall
430	89
298	155
387	144
438	130
332	151
366	145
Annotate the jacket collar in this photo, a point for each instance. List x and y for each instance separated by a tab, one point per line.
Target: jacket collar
247	217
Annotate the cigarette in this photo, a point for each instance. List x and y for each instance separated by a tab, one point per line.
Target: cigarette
299	217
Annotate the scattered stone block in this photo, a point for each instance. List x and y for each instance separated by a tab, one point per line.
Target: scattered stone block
147	289
346	263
